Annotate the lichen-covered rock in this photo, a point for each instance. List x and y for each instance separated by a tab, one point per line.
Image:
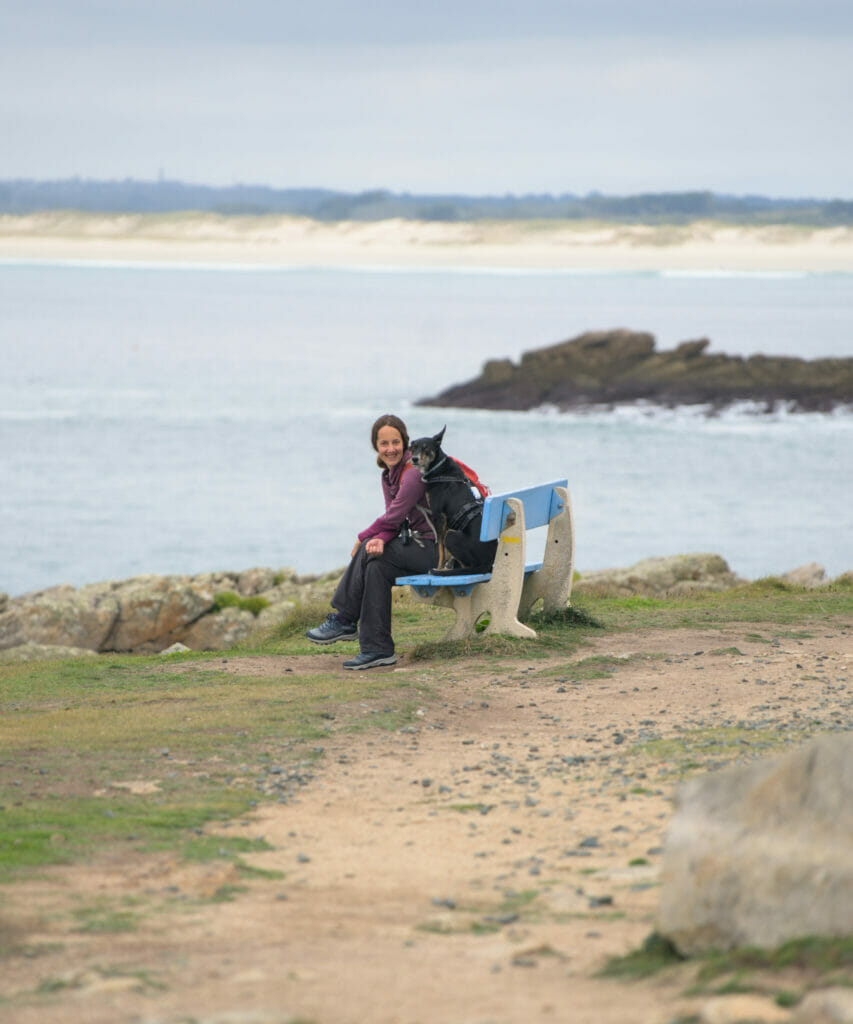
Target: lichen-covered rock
60	616
219	631
274	614
670	575
759	854
155	611
811	575
252	582
42	652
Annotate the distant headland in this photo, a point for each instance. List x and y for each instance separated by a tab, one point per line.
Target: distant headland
622	366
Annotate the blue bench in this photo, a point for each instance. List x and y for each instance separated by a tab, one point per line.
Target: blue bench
510	590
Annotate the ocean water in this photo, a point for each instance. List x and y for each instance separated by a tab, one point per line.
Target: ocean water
177	419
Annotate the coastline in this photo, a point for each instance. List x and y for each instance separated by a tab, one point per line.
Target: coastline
287	242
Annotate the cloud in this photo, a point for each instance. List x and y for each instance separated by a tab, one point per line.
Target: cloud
572	97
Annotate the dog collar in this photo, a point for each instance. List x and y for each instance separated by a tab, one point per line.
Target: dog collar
432	469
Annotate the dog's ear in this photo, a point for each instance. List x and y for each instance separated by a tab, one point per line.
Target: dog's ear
440	436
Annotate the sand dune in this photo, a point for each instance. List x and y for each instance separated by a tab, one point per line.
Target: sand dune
282	241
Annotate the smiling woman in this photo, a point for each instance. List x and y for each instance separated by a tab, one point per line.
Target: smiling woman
399	542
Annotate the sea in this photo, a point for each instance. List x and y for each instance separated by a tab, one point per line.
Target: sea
168	418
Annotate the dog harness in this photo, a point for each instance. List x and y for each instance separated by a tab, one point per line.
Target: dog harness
463	515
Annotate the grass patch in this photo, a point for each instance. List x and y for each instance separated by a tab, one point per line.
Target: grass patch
471	808
58	830
785	973
228	599
103	920
206	848
814	955
692	750
655	954
768	600
193	743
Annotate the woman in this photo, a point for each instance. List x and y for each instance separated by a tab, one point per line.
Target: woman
401	542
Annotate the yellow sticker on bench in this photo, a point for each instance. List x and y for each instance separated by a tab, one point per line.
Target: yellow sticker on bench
511	540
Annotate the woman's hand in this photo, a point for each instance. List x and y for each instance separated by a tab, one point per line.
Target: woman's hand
375	546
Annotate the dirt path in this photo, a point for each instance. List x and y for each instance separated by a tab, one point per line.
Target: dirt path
478	867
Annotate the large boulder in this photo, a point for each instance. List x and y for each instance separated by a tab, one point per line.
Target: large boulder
759	854
155	611
220	631
671	575
61	616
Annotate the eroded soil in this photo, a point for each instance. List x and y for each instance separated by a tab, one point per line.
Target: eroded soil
480	865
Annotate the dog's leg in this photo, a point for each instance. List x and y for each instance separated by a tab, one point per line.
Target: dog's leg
440	521
473	553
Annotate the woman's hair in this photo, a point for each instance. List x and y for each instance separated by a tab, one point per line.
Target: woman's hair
388	420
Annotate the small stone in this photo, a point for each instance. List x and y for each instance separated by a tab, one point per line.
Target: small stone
600	901
175	649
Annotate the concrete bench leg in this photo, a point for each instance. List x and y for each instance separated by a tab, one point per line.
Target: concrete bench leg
553	582
500	597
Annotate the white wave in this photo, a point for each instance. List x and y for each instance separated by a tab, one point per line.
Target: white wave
783	275
331	268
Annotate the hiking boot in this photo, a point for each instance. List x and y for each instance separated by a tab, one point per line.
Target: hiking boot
367	660
331	630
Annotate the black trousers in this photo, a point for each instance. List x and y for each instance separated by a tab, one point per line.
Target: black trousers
363	594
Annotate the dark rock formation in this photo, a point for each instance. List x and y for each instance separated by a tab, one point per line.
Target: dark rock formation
611	367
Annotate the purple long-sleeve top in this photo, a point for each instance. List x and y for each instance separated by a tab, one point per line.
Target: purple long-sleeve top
403	490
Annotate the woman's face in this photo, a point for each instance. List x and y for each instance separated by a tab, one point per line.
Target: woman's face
389	445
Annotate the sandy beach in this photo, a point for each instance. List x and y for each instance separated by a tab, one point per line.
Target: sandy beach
282	241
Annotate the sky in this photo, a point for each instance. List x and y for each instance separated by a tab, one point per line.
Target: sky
479	97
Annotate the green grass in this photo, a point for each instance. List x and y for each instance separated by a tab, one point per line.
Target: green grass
695	748
767	601
205	738
805	963
655	954
228	599
55	830
820	955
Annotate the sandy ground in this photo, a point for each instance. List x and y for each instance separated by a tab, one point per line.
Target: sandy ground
477	867
277	241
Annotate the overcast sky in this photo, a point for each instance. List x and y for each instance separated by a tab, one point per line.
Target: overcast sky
470	96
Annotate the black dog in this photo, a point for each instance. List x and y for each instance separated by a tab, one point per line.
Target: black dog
456	513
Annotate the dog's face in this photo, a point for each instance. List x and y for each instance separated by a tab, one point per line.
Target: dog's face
426	451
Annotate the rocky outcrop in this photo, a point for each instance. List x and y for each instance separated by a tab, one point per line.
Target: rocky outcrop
619	366
214	611
146	614
760	854
669	576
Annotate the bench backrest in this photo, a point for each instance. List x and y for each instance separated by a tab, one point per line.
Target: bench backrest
541	505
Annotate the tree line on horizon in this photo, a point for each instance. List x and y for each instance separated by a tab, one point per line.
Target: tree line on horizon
22	196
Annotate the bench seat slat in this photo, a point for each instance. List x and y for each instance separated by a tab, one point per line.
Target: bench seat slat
427	581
